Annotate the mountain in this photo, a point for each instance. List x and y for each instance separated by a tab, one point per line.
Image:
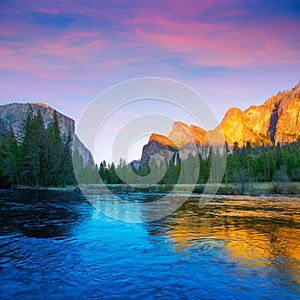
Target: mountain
275	121
12	116
158	144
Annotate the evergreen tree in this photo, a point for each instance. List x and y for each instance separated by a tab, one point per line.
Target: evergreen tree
9	160
34	149
56	155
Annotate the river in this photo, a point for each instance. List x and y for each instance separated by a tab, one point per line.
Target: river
56	245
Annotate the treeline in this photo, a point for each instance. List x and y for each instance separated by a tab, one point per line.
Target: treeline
41	158
264	164
243	164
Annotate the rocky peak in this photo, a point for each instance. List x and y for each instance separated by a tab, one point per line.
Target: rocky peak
288	124
182	134
234	126
13	116
233	115
275	121
159	147
162	140
199	135
40	104
295	92
274	101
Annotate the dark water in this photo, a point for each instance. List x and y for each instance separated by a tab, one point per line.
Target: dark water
56	245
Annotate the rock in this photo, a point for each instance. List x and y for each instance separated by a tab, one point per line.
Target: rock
276	121
162	140
82	150
182	134
288	125
13	116
234	127
159	148
199	135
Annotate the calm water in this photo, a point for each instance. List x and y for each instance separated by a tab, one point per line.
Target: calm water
56	245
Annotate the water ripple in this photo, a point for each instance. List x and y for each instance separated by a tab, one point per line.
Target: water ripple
57	246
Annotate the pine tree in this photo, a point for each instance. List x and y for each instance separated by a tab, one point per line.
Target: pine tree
9	160
34	149
55	151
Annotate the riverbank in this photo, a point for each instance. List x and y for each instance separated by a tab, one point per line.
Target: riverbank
67	188
250	189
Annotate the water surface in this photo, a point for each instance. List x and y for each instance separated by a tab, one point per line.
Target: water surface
56	245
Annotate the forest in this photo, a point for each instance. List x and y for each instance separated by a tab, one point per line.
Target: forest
245	165
43	158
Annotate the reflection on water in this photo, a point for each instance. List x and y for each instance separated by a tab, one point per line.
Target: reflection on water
35	216
57	245
253	232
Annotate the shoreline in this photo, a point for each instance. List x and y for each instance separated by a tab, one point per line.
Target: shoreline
257	190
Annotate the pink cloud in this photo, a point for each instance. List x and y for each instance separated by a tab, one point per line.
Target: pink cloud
243	46
50	55
168	29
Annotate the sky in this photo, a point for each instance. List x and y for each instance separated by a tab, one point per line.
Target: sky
64	53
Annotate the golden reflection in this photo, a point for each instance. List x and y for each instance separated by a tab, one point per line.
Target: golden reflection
251	236
242	246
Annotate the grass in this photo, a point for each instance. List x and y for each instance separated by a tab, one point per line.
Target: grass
251	188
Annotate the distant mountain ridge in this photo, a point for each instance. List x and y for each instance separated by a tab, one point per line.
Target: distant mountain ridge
12	117
275	121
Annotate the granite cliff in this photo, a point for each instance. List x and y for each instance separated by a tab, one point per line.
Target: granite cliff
158	144
275	121
12	117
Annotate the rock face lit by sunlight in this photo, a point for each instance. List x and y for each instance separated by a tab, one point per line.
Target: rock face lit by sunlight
275	121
